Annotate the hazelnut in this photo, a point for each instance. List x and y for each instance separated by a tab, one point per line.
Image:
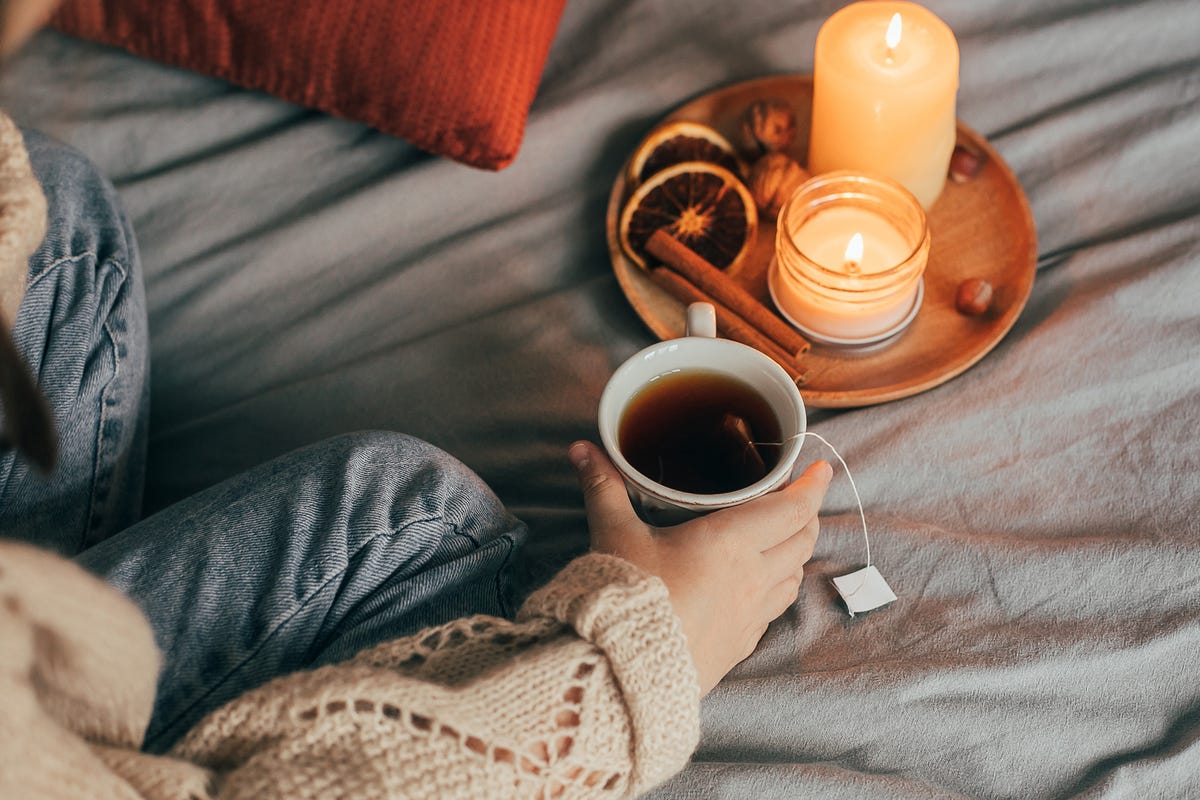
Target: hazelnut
769	126
773	179
974	297
964	164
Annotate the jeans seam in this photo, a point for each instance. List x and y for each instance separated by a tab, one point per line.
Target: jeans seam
33	281
454	527
116	262
300	607
36	278
318	647
100	469
501	594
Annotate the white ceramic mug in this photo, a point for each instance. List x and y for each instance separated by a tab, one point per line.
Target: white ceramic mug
700	350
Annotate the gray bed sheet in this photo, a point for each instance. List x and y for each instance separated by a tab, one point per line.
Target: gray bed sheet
1038	516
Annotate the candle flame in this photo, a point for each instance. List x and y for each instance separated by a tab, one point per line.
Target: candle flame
893	31
854	251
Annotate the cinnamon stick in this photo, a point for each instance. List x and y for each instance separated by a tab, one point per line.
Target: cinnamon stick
729	324
710	280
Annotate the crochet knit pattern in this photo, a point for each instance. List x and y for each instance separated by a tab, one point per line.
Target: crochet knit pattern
591	693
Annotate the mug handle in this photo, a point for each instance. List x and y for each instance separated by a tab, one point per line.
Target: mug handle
702	320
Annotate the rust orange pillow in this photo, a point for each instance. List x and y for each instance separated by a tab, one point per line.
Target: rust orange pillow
455	77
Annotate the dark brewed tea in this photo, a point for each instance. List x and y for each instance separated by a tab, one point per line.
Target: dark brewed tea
692	430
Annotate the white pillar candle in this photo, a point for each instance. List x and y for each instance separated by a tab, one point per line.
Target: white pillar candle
885	76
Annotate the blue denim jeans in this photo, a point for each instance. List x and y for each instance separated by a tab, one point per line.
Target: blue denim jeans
300	562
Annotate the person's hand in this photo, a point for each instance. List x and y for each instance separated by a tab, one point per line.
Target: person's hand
729	573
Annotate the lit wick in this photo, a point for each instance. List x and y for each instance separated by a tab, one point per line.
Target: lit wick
893	36
854	254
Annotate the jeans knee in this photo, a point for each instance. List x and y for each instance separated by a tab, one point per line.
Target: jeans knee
417	481
84	213
364	452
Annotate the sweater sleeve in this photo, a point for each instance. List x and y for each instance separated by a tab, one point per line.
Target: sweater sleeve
22	218
590	694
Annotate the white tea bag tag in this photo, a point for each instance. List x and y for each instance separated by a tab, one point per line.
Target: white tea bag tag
864	590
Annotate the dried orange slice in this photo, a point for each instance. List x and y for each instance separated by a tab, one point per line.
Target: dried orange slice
677	142
702	205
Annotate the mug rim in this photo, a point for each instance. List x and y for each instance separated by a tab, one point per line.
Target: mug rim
693	500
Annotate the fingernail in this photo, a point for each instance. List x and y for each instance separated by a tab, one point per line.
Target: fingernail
826	471
578	454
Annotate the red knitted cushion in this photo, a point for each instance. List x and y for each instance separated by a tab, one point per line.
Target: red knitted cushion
455	77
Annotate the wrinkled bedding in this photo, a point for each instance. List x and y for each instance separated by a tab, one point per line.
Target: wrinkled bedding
1038	516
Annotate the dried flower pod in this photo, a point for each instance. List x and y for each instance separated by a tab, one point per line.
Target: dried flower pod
773	179
965	165
974	296
769	126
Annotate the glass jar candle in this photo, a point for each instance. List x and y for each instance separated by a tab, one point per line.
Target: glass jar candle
850	251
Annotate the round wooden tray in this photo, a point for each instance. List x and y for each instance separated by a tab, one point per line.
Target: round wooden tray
980	229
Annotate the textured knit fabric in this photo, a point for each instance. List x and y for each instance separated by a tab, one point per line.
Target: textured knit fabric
453	77
591	694
22	218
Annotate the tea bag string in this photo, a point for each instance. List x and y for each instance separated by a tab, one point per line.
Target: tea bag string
861	514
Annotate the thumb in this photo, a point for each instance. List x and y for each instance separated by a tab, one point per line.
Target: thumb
609	511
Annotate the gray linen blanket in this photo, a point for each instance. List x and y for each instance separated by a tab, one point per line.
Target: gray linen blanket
1038	516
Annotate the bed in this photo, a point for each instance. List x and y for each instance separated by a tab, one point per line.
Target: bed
1038	516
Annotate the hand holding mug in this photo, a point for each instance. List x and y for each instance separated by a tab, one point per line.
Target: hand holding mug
736	560
729	574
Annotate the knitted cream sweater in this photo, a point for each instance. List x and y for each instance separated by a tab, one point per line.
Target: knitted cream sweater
591	693
22	218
